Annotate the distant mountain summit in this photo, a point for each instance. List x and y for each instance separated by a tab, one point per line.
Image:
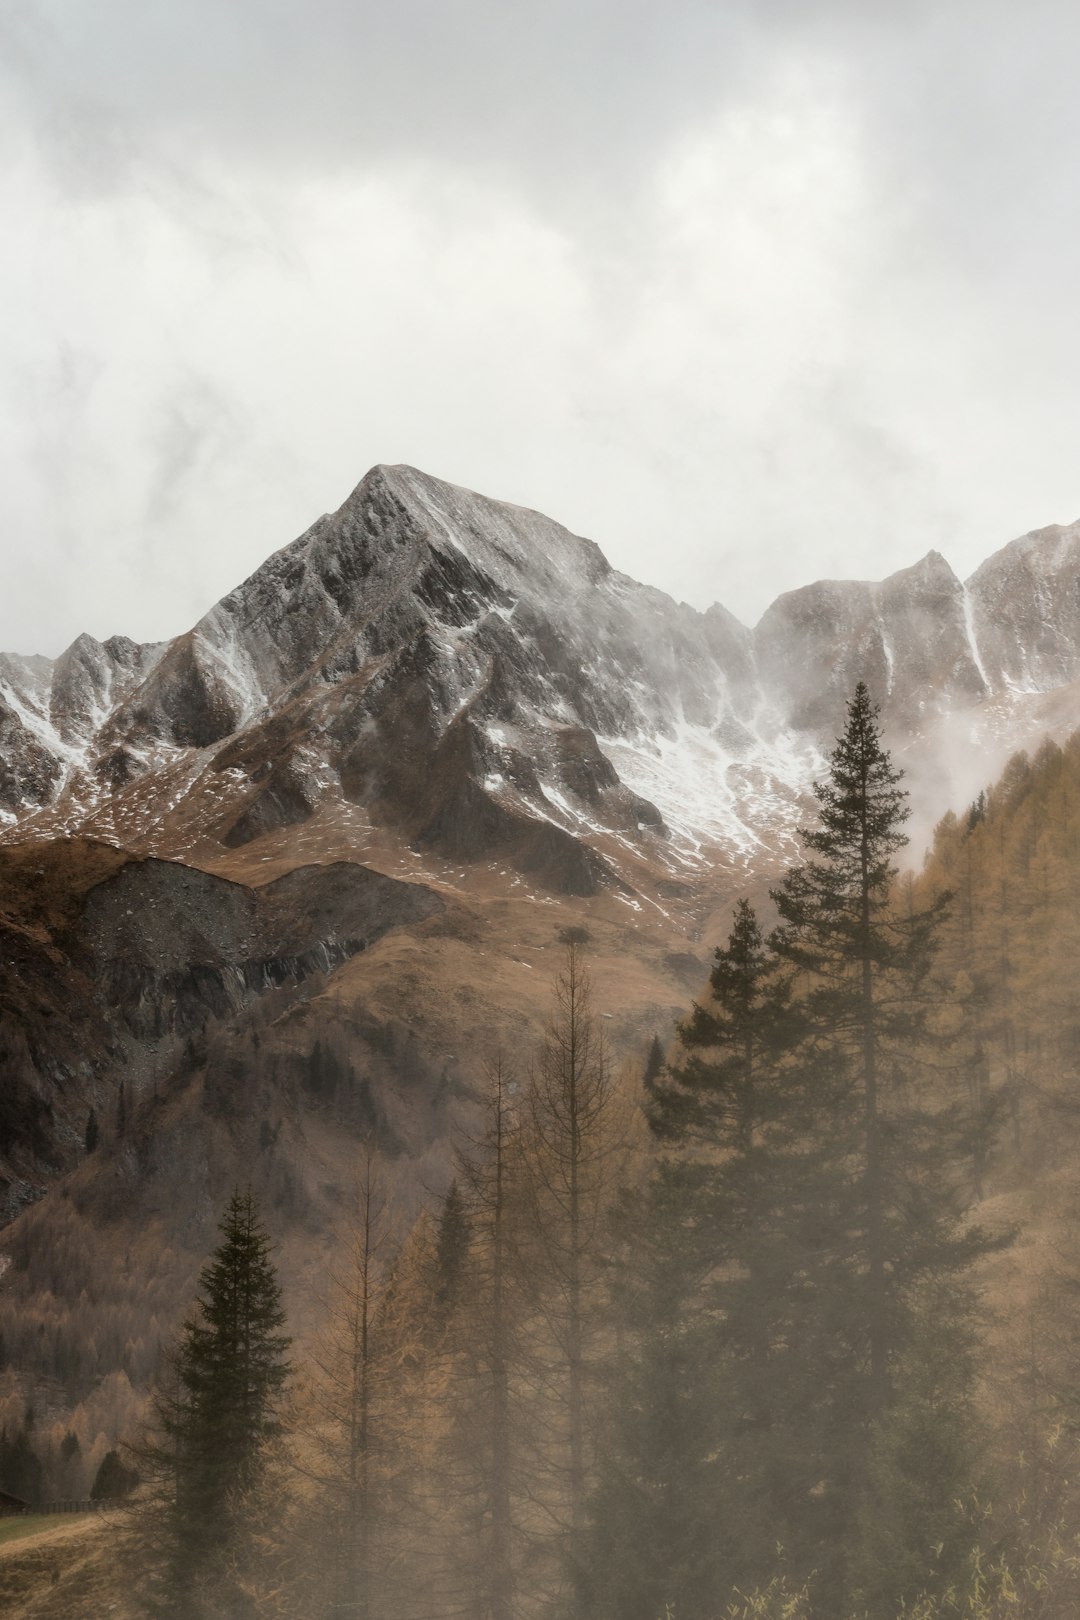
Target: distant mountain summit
476	680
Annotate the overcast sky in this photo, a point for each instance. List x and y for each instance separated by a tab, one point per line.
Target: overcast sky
749	293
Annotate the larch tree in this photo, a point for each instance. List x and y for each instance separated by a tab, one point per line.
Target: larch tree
572	1141
486	1465
346	1445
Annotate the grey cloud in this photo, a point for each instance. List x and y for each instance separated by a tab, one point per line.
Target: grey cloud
509	88
459	233
195	424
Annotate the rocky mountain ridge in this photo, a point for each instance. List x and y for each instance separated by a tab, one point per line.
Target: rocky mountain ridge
474	677
370	788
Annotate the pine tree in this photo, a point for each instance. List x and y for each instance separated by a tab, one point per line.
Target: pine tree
219	1410
883	1220
92	1134
113	1479
838	927
68	1468
786	1371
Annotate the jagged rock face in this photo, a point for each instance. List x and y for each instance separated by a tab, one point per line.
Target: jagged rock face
907	637
448	662
482	681
1027	610
173	945
109	963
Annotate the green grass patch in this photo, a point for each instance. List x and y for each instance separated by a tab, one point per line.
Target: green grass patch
29	1524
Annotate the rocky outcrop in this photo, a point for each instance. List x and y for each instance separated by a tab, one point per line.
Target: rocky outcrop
1026	611
907	637
109	964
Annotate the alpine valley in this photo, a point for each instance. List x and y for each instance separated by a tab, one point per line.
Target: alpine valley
279	883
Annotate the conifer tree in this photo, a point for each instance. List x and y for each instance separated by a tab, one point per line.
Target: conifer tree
882	1212
654	1064
787	1372
92	1134
837	927
219	1410
21	1473
113	1479
654	1541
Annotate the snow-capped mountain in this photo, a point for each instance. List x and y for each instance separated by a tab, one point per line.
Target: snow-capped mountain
473	677
365	797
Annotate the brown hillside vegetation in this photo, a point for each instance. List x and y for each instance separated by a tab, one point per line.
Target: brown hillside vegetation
280	1088
1011	968
505	1318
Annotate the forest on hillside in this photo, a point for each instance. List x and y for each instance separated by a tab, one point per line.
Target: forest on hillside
782	1323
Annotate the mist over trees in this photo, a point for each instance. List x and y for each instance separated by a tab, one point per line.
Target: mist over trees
705	1338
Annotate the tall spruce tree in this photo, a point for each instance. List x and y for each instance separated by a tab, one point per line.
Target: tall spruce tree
218	1411
21	1473
787	1372
882	1217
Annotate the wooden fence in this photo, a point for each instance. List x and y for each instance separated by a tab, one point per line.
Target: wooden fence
73	1505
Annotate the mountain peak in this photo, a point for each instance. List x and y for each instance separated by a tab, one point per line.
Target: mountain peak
475	677
510	543
933	564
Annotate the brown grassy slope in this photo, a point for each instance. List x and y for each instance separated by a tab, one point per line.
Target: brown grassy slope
74	1569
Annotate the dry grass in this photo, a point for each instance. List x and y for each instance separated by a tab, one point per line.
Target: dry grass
66	1569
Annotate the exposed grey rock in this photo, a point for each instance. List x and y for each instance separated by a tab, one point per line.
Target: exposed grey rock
473	673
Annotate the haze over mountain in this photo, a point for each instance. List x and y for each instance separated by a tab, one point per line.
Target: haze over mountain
487	735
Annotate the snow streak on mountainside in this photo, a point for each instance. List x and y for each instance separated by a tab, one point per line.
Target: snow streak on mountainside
474	677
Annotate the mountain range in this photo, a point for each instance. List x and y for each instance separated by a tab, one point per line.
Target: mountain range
370	790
